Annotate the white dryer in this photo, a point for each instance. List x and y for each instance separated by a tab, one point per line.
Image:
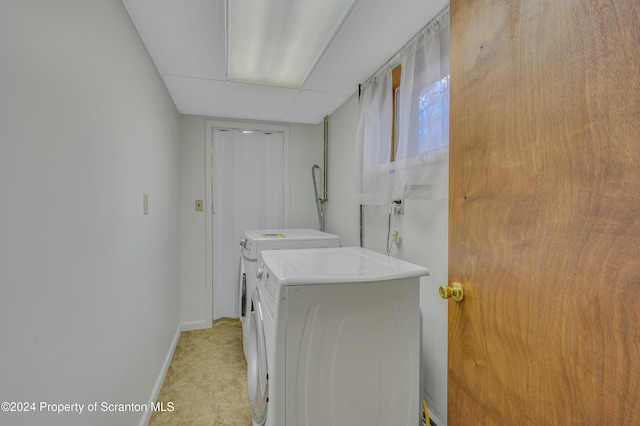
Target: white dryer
336	339
270	239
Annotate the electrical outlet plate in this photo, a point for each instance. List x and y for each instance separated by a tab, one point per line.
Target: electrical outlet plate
400	207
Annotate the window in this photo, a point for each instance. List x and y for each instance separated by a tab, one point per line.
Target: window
433	117
403	128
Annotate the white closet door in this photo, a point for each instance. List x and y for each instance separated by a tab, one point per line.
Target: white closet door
248	193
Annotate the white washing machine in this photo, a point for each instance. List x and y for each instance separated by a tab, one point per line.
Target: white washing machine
336	339
270	239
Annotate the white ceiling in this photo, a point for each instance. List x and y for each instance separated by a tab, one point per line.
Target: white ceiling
186	40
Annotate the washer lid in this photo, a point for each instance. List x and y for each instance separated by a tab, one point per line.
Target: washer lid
279	234
336	265
268	239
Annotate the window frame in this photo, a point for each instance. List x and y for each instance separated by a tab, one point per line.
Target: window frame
395	92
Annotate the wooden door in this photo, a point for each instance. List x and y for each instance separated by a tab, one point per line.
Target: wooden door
545	212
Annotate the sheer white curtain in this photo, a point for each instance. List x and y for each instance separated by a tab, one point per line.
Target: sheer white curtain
420	169
373	174
423	142
248	193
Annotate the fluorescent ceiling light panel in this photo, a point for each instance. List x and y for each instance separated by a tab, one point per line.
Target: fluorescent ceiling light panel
278	42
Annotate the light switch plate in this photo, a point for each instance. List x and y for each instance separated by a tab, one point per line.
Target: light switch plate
145	203
198	205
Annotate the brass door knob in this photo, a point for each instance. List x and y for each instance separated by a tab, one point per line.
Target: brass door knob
456	291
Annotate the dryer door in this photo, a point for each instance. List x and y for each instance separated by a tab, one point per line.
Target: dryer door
257	377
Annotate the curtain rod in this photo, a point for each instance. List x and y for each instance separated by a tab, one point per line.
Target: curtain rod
394	59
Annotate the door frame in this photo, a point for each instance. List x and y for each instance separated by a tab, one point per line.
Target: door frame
211	125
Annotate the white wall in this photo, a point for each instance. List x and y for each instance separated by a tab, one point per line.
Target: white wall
423	231
89	286
305	149
193	291
343	214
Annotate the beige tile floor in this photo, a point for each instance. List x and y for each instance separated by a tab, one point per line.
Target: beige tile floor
206	380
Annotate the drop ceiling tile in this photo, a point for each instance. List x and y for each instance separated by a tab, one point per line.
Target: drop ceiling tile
257	101
197	96
362	45
311	107
184	38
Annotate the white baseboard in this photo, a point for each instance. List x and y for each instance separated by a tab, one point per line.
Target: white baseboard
195	325
160	379
184	326
435	417
437	420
